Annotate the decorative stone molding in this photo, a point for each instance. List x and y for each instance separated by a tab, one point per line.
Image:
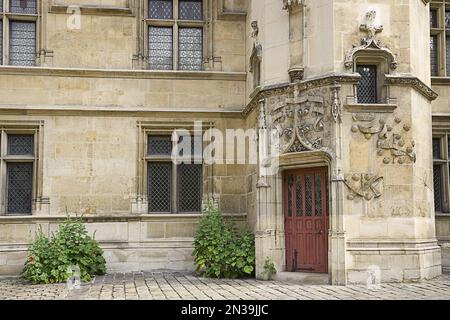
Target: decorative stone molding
371	42
55	7
296	74
255	29
290	4
328	79
411	81
364	185
389	139
336	106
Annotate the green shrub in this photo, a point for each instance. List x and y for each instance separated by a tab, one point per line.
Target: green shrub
269	270
49	261
220	250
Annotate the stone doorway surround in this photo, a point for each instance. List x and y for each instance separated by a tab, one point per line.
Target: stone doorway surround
270	239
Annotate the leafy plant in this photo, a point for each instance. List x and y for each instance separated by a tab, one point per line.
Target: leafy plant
269	270
220	249
50	261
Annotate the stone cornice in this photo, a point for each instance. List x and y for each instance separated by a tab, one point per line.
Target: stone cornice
307	84
92	9
413	82
122	73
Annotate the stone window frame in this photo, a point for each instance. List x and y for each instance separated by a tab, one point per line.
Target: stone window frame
442	32
145	22
444	161
6	17
140	204
36	129
381	61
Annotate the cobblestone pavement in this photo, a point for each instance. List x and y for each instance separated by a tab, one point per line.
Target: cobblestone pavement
177	286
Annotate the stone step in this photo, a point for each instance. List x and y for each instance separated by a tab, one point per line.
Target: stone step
303	278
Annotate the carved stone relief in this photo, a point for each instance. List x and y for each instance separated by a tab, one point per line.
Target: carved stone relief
371	42
363	185
392	141
301	121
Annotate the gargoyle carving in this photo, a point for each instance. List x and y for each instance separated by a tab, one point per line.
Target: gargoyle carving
363	185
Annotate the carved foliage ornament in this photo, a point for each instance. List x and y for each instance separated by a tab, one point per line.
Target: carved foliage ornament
364	186
371	42
290	4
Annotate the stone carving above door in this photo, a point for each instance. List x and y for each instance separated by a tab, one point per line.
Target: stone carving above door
364	186
392	141
300	123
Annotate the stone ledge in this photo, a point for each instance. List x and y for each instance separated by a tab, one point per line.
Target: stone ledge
122	73
93	10
369	108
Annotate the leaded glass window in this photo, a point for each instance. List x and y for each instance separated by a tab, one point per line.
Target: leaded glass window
190	48
367	86
1	5
308	195
20	145
190	188
19	187
172	187
160	187
190	9
22	43
441	171
160	48
434	55
23	6
160	9
318	194
299	195
18	159
433	18
176	40
159	146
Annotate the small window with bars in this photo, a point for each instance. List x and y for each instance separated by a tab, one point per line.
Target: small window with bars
172	187
175	41
367	86
18	158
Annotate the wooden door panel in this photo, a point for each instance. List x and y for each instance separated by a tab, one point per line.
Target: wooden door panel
306	219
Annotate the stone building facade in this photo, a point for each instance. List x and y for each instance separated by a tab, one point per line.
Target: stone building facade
347	100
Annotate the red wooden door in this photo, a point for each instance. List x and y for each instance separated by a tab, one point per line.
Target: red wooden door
306	220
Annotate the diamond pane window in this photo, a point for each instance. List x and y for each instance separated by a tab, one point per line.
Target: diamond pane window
160	187
367	87
1	5
437	175
447	19
159	146
160	9
22	43
299	196
190	48
23	6
433	18
308	195
160	50
20	145
289	194
318	194
191	10
434	55
447	54
437	148
190	184
19	187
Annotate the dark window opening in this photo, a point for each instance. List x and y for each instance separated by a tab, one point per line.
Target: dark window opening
367	86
